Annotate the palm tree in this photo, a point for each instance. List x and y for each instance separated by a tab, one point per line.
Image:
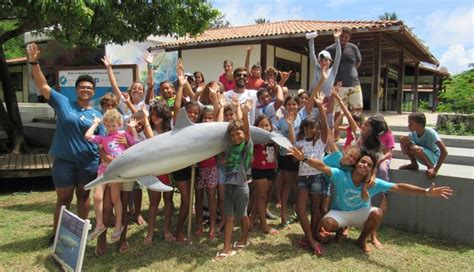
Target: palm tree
387	16
261	21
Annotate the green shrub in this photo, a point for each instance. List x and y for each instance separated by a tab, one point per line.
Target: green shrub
461	129
458	95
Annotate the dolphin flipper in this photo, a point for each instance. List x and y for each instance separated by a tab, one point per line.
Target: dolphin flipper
154	184
280	140
103	180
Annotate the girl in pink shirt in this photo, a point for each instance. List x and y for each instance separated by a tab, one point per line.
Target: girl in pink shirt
113	121
227	78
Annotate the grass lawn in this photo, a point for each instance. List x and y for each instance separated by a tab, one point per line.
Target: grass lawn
26	223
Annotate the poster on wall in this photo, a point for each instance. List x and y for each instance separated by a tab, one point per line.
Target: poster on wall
124	74
70	240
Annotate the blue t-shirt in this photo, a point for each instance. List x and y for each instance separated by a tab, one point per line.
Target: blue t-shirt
69	142
333	159
282	126
348	196
427	140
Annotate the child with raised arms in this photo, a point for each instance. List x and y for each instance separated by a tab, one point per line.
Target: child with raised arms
112	122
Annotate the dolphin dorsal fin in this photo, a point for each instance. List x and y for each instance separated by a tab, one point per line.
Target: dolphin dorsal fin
183	120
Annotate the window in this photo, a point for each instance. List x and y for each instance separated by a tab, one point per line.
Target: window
294	82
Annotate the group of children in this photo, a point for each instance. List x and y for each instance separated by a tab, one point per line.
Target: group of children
306	120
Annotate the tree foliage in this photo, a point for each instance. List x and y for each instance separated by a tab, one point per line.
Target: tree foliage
90	23
220	22
261	21
387	16
458	94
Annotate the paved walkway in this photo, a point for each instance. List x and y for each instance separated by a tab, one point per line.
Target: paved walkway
395	119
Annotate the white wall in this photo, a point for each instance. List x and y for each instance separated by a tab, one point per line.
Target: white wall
210	61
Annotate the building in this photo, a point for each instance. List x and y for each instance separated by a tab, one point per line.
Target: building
389	51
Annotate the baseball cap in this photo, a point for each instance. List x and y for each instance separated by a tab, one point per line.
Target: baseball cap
324	55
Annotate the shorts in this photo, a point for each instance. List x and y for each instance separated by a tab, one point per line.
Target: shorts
165	179
288	163
182	174
67	173
355	218
208	178
315	184
221	170
236	200
269	174
430	155
351	96
128	186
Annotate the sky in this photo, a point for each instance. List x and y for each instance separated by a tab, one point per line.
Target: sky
446	27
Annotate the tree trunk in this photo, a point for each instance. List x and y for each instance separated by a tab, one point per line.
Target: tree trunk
14	126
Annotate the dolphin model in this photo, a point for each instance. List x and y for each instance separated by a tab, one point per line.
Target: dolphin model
186	144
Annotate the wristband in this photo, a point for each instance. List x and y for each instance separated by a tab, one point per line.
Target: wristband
427	190
150	66
305	159
33	62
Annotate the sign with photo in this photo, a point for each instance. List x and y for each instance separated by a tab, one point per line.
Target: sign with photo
70	241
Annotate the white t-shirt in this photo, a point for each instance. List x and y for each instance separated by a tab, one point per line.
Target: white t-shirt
315	151
243	97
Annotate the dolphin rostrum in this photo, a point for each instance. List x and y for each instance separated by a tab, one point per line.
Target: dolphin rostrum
186	144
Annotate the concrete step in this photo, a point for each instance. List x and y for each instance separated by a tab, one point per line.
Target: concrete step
447	172
449	140
456	155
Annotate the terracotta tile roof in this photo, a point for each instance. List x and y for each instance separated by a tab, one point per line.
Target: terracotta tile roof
285	28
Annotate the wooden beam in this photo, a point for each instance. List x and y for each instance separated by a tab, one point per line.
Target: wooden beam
401	47
434	101
400	80
385	89
374	94
263	56
414	105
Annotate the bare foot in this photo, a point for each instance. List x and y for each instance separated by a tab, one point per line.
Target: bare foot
169	237
180	239
148	240
363	245
345	233
140	220
409	167
123	247
377	244
199	232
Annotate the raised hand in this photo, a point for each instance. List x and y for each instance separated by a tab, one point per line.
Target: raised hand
335	89
33	52
235	101
132	122
337	33
285	75
318	99
145	111
148	57
295	152
250	49
290	118
106	60
271	83
221	100
125	97
247	106
180	73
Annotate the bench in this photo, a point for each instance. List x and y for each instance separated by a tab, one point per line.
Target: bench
25	165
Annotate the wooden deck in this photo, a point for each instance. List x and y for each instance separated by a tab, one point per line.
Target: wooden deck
33	165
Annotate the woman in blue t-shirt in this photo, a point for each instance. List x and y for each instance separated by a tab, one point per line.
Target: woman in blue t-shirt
75	159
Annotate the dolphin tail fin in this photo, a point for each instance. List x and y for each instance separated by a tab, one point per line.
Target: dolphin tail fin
154	184
282	142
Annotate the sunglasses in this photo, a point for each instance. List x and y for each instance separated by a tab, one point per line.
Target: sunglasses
241	75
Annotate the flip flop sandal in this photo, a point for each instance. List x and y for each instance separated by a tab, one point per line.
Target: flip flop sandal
236	246
116	235
221	255
96	233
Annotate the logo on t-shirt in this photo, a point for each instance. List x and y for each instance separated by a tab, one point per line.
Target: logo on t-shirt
352	198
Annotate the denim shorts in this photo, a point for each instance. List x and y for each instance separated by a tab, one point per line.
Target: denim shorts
315	184
236	200
68	173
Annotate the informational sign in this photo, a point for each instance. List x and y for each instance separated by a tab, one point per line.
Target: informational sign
70	241
125	75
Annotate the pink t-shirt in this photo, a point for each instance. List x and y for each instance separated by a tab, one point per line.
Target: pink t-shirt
349	138
111	147
228	84
387	140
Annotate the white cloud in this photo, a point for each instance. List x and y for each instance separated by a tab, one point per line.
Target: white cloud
457	58
445	28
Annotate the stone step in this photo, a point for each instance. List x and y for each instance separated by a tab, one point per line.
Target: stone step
449	140
446	172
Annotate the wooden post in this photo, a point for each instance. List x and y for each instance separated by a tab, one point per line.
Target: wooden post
263	56
374	94
414	105
400	80
434	101
385	88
